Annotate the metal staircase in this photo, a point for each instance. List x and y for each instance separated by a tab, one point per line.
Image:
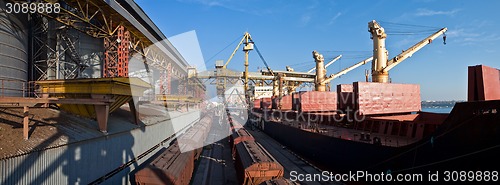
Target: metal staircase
78	66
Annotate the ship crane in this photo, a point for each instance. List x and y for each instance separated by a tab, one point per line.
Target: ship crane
381	65
321	80
328	64
248	46
292	85
247	40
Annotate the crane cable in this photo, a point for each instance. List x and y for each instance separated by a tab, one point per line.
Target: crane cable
262	58
407	25
407	29
237	38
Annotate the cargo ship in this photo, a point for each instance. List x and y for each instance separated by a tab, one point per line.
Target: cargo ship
468	138
378	126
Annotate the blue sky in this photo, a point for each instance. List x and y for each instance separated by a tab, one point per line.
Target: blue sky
287	31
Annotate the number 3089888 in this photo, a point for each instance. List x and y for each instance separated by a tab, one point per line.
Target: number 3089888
33	7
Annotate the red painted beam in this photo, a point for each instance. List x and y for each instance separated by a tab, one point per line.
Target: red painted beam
483	83
345	97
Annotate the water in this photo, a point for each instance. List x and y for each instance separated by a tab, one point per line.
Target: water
437	109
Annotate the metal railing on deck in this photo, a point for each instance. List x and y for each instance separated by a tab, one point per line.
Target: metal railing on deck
16	88
11	88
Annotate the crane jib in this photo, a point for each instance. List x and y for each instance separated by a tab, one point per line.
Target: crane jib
262	58
410	51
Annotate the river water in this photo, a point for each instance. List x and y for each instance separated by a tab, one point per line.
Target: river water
437	109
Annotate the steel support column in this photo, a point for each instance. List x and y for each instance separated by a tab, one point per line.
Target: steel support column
163	81
116	55
169	78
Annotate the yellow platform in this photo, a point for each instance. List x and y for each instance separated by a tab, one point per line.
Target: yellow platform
119	90
178	98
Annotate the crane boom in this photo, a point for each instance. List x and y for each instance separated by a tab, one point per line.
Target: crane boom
328	64
245	37
346	70
410	51
381	64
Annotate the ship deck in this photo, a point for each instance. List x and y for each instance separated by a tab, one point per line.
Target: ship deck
353	134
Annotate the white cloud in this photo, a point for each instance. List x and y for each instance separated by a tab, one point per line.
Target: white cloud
332	20
238	6
207	2
483	38
469	37
403	44
424	1
305	19
462	33
313	5
491	51
427	12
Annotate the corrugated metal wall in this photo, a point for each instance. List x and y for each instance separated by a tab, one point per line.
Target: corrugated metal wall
84	162
13	52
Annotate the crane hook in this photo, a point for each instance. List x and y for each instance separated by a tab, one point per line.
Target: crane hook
444	39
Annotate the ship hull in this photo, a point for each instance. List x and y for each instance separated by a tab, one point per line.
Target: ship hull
465	141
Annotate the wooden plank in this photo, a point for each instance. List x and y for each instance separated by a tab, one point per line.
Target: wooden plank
26	123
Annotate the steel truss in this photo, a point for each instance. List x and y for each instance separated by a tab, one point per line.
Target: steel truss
116	55
53	51
121	41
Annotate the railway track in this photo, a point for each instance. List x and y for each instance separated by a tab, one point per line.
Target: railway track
238	159
289	160
176	163
216	165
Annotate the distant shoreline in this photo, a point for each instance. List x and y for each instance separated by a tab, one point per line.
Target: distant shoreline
437	109
438	106
431	104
